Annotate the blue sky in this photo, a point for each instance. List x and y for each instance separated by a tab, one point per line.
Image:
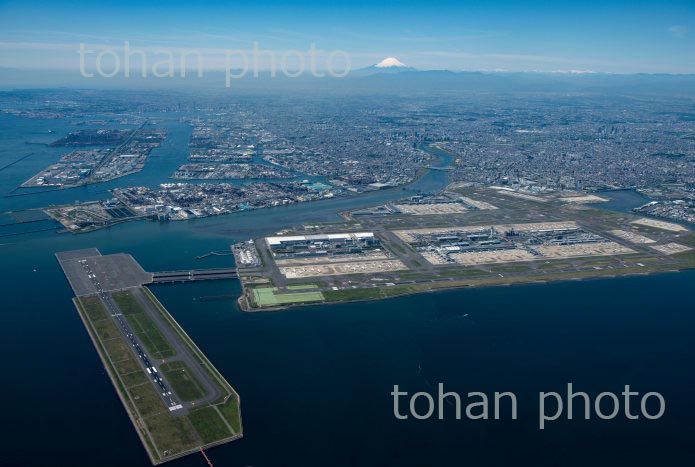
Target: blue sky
608	36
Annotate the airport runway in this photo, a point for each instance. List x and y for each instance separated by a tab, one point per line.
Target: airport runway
212	391
169	398
90	273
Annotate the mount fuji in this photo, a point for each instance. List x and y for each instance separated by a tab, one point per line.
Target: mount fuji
387	65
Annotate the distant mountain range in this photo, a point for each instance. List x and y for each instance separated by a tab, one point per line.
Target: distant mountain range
388	76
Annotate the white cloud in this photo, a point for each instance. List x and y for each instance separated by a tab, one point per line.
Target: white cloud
678	30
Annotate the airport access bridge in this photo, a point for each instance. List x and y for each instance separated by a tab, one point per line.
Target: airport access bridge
121	271
165	277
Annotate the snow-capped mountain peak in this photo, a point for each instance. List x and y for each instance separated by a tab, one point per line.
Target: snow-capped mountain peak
390	62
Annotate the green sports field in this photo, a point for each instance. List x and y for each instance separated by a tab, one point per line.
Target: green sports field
268	296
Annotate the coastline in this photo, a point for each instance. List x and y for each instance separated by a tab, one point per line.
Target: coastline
445	286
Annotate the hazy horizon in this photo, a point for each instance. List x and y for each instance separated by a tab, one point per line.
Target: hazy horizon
613	37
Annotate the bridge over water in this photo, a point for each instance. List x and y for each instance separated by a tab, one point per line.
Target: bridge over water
163	277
